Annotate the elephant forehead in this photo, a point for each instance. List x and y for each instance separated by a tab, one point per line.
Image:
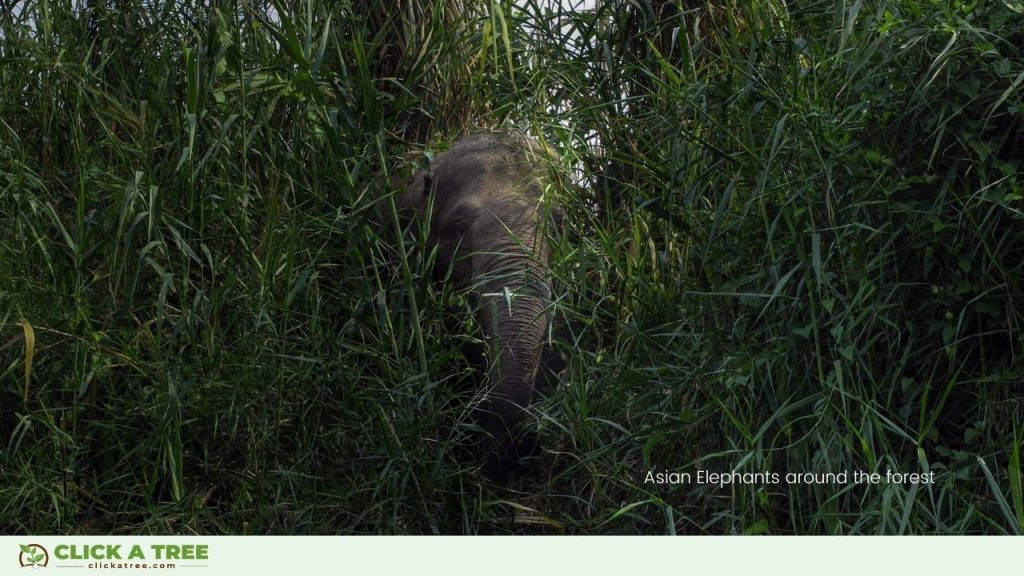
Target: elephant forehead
492	180
502	158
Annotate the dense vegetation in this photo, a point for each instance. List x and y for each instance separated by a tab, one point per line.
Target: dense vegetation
793	242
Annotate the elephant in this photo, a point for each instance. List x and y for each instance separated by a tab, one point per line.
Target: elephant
482	203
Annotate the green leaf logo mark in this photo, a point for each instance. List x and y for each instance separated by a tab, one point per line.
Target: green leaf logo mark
32	555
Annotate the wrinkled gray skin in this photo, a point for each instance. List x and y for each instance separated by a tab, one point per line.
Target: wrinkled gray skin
484	198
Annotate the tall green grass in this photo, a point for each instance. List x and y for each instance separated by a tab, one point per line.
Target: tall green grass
793	242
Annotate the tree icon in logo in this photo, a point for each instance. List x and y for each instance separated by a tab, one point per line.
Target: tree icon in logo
33	555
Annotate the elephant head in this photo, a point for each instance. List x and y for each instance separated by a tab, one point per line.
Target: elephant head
483	197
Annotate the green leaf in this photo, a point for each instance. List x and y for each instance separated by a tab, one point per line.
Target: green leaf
816	257
847	352
507	294
652	441
759	527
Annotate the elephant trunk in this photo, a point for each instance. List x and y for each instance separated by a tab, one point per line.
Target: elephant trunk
513	303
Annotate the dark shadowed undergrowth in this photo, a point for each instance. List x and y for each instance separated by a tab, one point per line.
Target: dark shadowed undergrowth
793	243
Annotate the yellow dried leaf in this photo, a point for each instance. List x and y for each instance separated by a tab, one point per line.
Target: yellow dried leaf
30	351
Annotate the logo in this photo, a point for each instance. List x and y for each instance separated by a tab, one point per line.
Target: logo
33	555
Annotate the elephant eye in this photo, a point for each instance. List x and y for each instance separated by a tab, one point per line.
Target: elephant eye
428	181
